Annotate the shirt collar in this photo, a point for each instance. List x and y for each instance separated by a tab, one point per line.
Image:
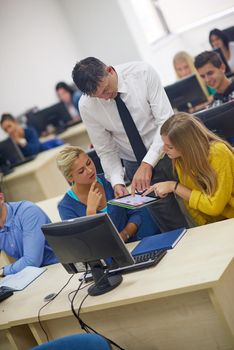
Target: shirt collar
10	213
122	88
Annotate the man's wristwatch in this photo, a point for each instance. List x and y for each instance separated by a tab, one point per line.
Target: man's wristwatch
126	235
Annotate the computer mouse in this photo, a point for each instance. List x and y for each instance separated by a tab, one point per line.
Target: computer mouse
50	296
5	289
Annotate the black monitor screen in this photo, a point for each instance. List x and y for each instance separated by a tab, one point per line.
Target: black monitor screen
56	115
219	119
10	154
185	93
88	240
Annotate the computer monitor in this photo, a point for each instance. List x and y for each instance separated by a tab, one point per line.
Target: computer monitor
185	93
219	119
56	115
228	71
10	155
89	239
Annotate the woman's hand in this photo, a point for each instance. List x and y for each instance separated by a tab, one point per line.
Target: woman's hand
93	200
161	189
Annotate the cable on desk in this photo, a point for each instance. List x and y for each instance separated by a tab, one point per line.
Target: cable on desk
39	311
84	325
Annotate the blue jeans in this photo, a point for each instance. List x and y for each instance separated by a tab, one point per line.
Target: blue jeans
166	211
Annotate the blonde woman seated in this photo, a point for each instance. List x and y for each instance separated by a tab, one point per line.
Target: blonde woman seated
89	194
205	168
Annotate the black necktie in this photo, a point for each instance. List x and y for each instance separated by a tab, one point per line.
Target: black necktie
133	135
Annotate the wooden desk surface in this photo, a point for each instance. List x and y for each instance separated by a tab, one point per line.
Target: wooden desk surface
34	165
73	130
197	262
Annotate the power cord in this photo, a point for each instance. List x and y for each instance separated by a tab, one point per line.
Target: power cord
55	296
84	325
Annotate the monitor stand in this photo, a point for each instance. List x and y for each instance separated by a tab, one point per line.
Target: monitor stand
102	282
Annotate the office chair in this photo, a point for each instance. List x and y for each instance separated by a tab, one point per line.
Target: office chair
76	342
229	32
93	155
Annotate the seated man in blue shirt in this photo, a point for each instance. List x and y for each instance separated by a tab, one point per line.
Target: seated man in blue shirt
21	236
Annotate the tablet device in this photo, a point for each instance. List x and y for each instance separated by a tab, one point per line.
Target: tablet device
133	202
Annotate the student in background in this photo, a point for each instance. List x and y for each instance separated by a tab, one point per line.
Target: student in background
90	192
184	66
26	138
219	40
70	97
205	166
212	71
21	236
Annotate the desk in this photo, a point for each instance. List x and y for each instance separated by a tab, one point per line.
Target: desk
36	180
76	136
185	302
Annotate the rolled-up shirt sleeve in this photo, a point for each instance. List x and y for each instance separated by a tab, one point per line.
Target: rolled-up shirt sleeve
134	216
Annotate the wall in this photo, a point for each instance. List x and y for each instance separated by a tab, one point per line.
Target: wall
41	40
100	30
37	50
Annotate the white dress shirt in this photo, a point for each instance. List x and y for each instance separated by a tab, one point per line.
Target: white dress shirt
141	90
231	59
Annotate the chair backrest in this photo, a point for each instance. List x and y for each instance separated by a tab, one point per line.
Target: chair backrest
93	155
229	32
76	342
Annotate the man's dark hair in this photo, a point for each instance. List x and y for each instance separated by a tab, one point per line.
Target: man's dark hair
207	57
88	73
65	86
221	35
7	116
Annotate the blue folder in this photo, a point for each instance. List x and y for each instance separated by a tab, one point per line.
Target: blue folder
166	240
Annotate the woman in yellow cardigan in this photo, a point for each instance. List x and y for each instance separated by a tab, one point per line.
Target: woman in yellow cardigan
205	167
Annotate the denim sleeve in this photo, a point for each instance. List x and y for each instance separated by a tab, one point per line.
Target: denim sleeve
33	240
33	144
134	216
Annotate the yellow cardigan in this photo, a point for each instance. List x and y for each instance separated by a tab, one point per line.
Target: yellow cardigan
220	205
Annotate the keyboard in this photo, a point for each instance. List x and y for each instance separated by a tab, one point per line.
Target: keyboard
142	261
5	293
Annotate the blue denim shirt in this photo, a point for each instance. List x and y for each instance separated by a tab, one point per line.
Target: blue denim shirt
22	238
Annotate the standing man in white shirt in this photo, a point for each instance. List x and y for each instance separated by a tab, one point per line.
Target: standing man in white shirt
139	87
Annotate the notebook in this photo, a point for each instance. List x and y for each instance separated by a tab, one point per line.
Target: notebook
22	279
166	240
133	202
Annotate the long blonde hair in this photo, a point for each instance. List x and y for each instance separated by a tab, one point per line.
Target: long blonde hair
184	56
66	159
192	139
